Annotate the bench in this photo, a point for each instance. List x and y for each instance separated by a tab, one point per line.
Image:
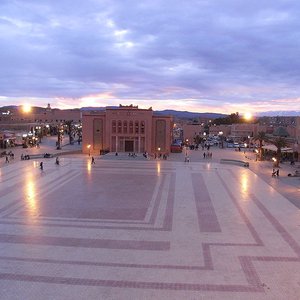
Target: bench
235	162
41	155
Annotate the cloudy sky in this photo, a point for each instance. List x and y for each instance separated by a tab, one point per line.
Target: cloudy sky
197	55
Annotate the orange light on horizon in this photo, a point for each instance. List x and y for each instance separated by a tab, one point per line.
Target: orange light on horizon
248	116
26	108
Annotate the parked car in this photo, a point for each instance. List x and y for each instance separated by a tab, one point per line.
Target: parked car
176	148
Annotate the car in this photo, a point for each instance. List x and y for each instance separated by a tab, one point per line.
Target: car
176	148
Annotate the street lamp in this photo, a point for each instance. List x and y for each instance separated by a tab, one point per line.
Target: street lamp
89	147
221	138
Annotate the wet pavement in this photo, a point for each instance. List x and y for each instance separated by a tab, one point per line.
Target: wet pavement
132	228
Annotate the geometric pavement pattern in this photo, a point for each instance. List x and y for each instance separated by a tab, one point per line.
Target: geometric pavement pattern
145	230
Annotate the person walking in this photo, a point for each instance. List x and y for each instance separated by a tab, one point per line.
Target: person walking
6	159
93	160
41	165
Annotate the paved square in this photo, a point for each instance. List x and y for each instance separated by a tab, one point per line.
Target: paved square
145	230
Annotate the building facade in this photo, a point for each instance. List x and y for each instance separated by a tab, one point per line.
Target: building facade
190	131
126	129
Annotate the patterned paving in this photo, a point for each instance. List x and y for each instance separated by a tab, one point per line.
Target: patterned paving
145	230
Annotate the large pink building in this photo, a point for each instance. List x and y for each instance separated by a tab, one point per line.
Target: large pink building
126	129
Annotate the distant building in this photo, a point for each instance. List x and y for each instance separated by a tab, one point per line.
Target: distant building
224	130
57	116
190	131
126	129
46	115
239	132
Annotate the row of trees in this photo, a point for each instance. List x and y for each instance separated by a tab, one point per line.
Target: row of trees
231	119
278	142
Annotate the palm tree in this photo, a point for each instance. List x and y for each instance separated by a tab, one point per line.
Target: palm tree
279	143
69	123
198	139
260	137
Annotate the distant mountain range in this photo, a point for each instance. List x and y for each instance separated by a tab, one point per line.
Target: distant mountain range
291	113
189	115
175	113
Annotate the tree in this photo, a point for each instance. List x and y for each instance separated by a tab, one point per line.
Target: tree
198	139
228	120
260	137
279	143
69	123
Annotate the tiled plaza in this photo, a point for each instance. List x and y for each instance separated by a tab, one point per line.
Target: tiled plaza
132	229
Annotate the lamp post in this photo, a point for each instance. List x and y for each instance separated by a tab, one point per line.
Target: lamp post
89	147
221	138
249	140
59	137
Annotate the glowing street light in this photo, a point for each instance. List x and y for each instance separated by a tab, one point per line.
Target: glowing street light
221	138
89	147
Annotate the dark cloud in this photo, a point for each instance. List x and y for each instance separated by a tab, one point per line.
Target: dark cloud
225	51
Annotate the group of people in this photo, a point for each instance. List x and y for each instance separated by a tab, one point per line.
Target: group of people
42	163
187	159
132	154
207	154
25	157
8	156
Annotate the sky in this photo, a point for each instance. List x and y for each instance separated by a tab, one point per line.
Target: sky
220	56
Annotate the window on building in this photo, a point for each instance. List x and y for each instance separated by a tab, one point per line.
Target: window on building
114	127
119	126
136	127
142	127
130	126
125	127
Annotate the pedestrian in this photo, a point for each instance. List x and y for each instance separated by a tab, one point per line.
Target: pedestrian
6	159
57	160
41	165
277	173
93	160
204	154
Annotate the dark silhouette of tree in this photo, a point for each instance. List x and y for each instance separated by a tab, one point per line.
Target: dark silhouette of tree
231	119
279	143
69	123
198	139
260	137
